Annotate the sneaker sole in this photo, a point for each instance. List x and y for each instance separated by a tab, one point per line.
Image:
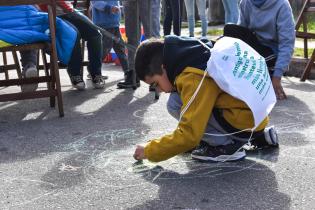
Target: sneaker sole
103	77
30	73
79	87
98	86
272	138
222	158
126	86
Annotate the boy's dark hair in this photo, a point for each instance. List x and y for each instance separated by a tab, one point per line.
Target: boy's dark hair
149	58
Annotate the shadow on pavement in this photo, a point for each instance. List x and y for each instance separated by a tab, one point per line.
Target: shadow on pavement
240	185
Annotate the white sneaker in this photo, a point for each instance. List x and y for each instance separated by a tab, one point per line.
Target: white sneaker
271	136
98	82
77	82
29	73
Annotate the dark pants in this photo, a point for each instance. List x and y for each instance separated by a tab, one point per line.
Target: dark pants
89	32
173	14
120	50
28	58
250	38
133	30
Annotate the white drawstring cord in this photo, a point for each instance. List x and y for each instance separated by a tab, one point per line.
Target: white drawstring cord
192	98
229	134
248	143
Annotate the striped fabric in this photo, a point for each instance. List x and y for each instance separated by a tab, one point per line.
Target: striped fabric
62	8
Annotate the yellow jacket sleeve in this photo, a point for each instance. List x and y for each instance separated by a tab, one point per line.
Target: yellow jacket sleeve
192	126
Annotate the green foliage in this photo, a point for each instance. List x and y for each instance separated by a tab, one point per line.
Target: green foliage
299	52
310	24
215	32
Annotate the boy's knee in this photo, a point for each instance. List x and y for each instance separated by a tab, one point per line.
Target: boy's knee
174	105
173	112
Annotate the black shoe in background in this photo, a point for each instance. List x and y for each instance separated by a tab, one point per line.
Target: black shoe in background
128	83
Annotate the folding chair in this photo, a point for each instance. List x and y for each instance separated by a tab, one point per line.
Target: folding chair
308	7
6	67
51	78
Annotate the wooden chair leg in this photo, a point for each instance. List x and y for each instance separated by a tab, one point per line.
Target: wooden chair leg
5	62
17	64
304	20
49	84
83	54
308	67
45	64
54	61
59	96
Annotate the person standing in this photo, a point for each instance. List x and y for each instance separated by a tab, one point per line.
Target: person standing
190	8
173	15
133	33
106	14
231	11
267	26
155	17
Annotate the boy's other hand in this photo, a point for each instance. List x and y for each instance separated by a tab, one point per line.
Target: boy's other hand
115	9
276	83
139	153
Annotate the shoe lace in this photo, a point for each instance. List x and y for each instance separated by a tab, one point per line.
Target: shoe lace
98	79
77	79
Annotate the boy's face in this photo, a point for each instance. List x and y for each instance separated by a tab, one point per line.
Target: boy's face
161	82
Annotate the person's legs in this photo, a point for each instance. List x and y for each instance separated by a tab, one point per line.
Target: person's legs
146	17
174	105
133	36
201	4
93	36
120	50
234	11
215	147
168	17
231	11
75	63
176	6
29	68
226	11
107	42
156	15
190	8
28	58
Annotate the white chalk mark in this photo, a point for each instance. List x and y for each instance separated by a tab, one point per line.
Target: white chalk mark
135	114
34	199
140	114
12	179
65	167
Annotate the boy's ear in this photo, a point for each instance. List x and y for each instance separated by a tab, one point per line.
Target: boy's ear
163	67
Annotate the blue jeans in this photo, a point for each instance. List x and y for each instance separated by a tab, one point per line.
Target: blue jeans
174	105
156	15
231	11
190	8
89	32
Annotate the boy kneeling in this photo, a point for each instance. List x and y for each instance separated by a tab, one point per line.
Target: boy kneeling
176	65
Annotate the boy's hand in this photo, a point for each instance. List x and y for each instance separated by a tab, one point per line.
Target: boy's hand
115	9
139	153
276	83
